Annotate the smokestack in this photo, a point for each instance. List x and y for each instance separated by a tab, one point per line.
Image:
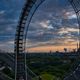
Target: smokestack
77	46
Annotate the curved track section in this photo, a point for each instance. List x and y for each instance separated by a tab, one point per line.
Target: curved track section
75	75
4	77
8	60
27	13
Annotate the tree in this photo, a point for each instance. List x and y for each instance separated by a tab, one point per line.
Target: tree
65	49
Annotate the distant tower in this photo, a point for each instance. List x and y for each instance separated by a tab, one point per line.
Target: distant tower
78	47
50	51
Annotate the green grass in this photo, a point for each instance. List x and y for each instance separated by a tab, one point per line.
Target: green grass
48	67
56	67
47	76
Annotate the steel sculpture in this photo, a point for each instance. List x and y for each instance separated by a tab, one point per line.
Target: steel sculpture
26	15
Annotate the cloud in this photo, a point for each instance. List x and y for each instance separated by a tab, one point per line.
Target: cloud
9	29
46	27
68	30
7	46
2	12
68	43
72	29
46	24
69	14
51	39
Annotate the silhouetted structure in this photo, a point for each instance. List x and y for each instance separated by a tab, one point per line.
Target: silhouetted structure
20	39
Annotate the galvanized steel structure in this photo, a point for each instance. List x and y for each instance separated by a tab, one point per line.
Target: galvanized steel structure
21	32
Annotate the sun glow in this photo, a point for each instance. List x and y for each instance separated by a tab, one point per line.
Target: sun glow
49	48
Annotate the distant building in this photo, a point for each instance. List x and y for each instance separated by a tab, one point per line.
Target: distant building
78	47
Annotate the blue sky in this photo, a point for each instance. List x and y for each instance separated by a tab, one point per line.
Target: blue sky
54	23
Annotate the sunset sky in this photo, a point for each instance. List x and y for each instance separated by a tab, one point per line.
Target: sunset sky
53	27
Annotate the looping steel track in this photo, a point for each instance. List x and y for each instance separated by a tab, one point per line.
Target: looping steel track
26	15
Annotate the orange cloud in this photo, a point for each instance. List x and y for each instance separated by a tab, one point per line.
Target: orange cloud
49	48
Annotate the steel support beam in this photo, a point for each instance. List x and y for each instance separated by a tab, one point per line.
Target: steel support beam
26	15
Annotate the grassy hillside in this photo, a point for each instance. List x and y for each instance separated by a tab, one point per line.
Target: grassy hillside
49	67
